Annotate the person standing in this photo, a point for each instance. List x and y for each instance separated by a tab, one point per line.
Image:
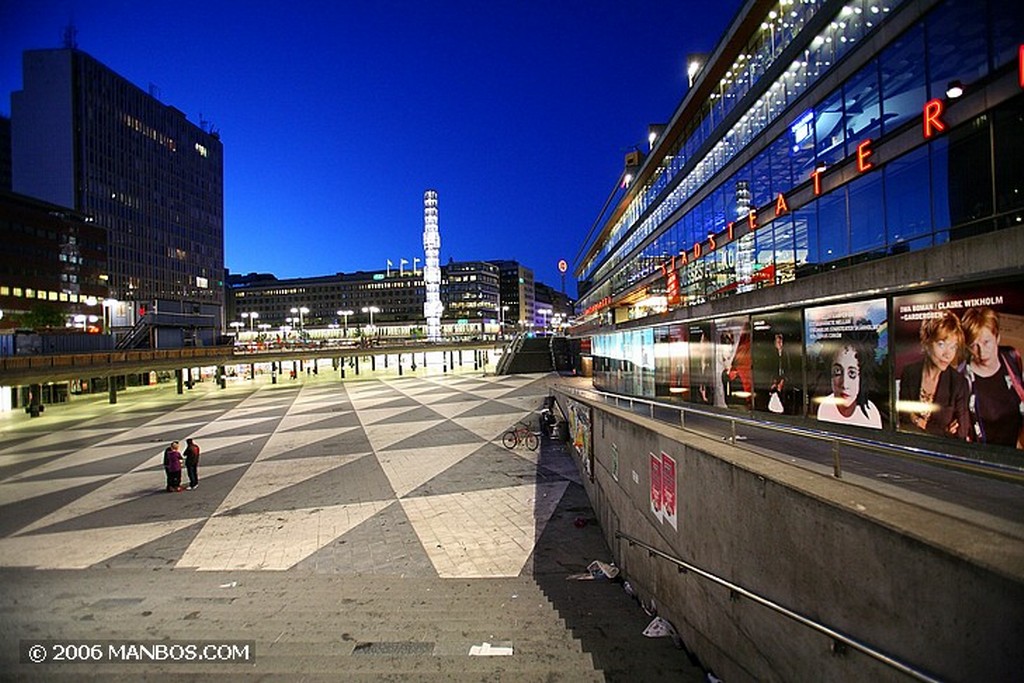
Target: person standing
192	463
995	381
172	466
937	392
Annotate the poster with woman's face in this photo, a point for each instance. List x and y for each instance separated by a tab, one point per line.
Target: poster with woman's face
957	368
778	362
733	381
702	363
847	353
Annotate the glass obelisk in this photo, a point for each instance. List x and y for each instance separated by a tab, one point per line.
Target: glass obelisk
432	307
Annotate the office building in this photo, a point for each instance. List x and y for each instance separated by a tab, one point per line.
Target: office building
842	185
517	293
85	138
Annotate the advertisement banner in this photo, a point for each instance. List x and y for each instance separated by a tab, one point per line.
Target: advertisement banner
668	489
778	363
957	364
847	352
656	490
733	377
702	363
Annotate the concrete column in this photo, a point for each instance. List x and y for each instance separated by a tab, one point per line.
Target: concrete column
180	381
399	365
252	371
357	366
112	389
373	363
189	382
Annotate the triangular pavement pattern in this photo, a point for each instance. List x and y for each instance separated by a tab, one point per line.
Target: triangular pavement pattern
470	543
444	433
266	477
408	469
81	548
356	481
385	544
275	542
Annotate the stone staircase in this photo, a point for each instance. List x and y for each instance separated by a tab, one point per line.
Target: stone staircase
305	626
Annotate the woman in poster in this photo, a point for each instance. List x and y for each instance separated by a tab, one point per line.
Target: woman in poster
933	386
851	371
993	373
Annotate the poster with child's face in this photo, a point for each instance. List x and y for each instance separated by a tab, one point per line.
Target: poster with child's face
847	352
778	362
956	363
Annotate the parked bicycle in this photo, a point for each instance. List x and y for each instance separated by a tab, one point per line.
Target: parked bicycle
520	433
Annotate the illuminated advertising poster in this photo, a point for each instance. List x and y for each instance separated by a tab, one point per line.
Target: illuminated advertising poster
702	363
657	509
957	363
668	489
579	430
778	363
734	384
847	352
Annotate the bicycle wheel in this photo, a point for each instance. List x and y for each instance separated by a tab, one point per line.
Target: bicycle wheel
509	439
531	441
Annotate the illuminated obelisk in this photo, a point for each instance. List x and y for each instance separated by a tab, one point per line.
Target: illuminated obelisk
432	307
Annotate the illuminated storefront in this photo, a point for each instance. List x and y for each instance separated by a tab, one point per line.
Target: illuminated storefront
822	139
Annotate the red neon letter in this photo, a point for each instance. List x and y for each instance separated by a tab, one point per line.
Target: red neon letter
696	250
863	152
932	111
1020	65
729	227
711	242
752	219
816	176
780	205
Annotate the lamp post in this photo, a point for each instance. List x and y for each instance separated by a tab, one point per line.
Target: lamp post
301	310
252	318
345	314
371	310
237	325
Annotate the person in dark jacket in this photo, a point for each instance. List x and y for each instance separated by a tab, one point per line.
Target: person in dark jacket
172	466
192	463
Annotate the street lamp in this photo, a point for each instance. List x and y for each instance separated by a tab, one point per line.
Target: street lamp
545	312
371	310
301	310
252	318
237	325
345	314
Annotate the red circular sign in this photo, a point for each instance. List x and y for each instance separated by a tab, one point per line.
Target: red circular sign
562	266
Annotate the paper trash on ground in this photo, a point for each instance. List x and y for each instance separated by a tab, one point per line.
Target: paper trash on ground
488	650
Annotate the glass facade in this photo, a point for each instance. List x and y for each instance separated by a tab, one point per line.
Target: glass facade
942	190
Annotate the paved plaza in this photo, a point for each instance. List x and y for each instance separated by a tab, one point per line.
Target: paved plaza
392	476
375	515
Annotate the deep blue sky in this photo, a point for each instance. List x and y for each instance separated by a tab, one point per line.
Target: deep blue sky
337	115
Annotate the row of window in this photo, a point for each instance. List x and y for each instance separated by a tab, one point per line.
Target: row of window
871	103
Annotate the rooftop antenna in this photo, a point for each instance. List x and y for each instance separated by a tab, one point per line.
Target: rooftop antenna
69	37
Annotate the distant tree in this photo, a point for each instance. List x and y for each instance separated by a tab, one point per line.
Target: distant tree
43	316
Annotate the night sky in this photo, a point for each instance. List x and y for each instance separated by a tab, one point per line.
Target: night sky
337	115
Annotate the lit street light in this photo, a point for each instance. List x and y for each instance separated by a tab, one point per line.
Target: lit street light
346	314
252	318
371	310
301	310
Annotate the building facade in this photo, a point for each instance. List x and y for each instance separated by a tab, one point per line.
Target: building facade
84	137
517	294
55	260
840	190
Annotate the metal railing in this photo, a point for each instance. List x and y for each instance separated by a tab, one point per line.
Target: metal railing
736	589
835	441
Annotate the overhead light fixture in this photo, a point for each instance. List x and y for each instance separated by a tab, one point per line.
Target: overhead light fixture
954	90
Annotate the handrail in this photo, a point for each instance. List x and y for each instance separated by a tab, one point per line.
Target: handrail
785	611
1000	469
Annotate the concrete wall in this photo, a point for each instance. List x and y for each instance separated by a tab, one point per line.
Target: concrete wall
938	588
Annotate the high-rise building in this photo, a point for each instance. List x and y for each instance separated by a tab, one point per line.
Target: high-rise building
517	293
85	138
